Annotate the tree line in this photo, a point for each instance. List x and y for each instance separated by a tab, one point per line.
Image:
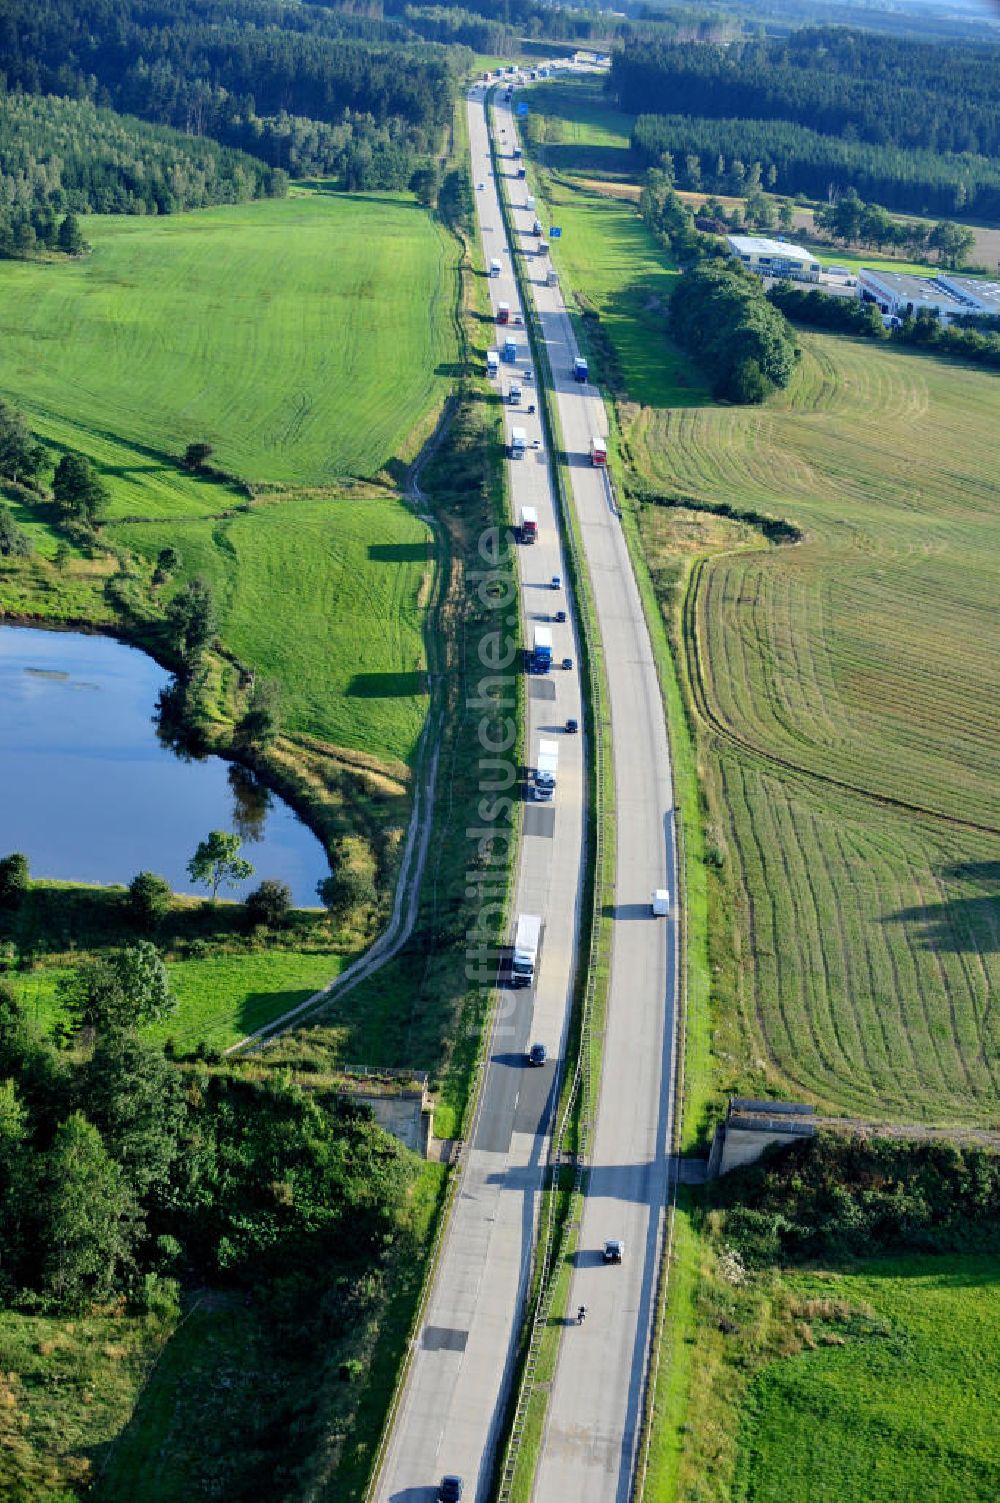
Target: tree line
239	75
721	155
975	337
60	156
858	85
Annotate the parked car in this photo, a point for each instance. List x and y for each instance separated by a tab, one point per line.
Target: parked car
537	1054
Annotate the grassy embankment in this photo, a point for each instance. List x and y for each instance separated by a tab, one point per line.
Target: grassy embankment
267	330
853	939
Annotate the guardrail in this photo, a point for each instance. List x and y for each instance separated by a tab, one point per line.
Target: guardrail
577	1103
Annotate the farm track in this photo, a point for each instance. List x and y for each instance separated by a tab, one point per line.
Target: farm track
406	899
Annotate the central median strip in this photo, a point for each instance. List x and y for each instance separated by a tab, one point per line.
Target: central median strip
570	1140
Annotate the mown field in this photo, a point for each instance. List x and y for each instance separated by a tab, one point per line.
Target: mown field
305	339
839	681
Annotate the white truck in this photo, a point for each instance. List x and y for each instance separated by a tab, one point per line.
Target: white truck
546	767
525	957
518	443
493	362
495	267
529	524
660	903
529	202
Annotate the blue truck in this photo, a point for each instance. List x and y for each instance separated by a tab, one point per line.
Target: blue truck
579	369
510	351
522	172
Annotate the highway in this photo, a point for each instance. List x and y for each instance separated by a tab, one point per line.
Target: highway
450	1412
588	1449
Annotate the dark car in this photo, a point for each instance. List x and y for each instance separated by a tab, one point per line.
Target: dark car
572	727
559	616
567	662
537	1054
614	1250
450	1490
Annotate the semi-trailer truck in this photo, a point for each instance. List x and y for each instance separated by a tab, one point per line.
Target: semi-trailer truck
598	451
492	362
579	369
529	524
518	443
541	649
503	313
510	351
546	767
527	936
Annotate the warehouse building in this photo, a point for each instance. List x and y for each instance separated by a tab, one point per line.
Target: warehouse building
974	293
899	295
774	258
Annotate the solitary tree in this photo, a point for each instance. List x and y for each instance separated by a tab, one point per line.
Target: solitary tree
21	457
71	241
345	889
148	899
197	455
191	620
217	861
13	879
121	990
260	724
269	903
78	489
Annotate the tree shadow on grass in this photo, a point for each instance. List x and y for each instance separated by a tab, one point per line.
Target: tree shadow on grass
963	924
400	553
387	685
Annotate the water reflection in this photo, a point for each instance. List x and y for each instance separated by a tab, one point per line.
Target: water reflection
90	793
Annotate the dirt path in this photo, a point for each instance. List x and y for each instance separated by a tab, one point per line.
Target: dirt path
411	868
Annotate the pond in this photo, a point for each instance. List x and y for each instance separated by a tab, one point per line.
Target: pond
89	793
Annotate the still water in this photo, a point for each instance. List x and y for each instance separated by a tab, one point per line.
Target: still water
88	792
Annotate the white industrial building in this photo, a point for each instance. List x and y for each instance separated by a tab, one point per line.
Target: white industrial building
774	258
899	295
974	293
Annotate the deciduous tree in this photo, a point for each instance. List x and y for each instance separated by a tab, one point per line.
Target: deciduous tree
218	862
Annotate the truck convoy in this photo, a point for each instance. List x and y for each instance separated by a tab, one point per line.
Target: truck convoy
503	313
518	443
529	524
598	451
510	352
495	268
541	650
492	362
579	369
545	771
525	957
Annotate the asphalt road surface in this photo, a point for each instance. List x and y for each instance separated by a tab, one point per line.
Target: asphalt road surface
588	1450
450	1411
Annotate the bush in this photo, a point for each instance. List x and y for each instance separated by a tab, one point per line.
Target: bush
344	890
14	877
148	899
269	903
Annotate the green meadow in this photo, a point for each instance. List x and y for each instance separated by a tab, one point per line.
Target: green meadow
304	339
